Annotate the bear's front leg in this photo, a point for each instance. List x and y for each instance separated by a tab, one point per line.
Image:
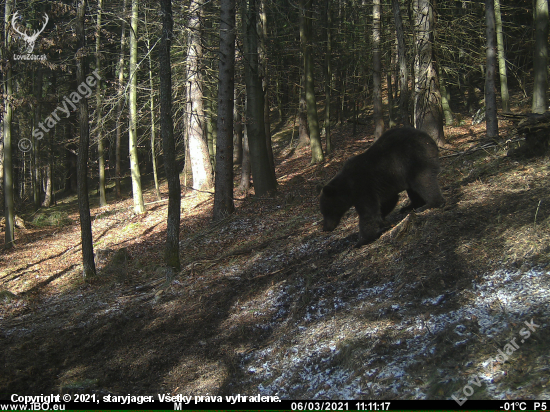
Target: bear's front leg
369	228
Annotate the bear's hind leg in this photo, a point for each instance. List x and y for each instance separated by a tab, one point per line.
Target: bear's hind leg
389	205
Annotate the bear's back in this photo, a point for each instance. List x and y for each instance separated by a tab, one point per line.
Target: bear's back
403	145
406	140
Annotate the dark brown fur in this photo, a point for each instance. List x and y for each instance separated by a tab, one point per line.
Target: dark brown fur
401	159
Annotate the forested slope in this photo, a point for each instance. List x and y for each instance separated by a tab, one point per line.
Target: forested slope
267	303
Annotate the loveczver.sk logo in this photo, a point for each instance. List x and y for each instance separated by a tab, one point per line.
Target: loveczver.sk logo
30	39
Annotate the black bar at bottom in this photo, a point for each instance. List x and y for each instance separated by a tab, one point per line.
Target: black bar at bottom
190	403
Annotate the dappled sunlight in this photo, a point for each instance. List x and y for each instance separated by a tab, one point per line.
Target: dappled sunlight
197	377
266	303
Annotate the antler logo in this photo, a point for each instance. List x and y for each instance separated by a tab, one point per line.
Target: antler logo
29	39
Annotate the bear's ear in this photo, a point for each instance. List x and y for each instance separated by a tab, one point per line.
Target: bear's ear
330	190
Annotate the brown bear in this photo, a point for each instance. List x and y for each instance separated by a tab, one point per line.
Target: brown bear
401	159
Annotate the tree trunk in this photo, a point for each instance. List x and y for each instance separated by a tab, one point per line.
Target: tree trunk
48	155
70	162
306	34
2	79
153	135
263	67
208	86
262	173
390	63
238	129
376	71
152	109
9	206
244	185
490	96
428	113
88	262
540	58
22	182
328	75
171	252
35	159
47	202
198	148
209	119
48	191
223	197
504	95
445	98
120	96
303	133
278	96
118	153
99	91
139	206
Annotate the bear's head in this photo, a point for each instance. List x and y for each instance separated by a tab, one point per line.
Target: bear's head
334	202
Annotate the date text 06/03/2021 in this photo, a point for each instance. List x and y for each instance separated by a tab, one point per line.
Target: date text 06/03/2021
339	406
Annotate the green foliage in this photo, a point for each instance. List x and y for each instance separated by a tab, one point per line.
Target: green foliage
107	213
55	218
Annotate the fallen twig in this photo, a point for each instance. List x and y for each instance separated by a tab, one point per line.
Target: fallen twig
483	147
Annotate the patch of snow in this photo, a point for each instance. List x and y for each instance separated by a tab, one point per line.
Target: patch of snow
312	367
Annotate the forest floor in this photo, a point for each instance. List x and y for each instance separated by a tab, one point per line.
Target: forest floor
267	303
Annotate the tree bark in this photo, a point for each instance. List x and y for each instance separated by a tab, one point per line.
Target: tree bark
390	63
139	206
445	98
504	95
198	148
100	149
490	72
262	55
153	136
306	34
328	75
9	206
376	71
540	58
48	191
244	184
47	202
70	161
171	251
152	109
262	173
88	263
238	129
428	113
120	96
223	195
35	158
209	119
303	132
